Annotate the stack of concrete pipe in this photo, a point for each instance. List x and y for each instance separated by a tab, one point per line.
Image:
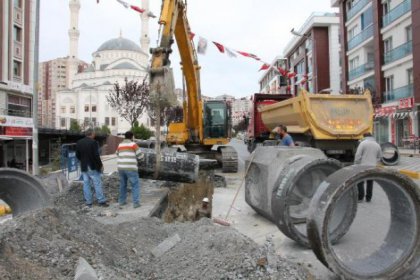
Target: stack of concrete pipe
313	200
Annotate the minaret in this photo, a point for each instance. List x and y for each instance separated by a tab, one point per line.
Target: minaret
144	39
74	34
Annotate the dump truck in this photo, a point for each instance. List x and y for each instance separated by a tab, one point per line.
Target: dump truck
332	123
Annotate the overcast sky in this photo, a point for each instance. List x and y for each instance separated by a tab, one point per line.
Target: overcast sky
261	27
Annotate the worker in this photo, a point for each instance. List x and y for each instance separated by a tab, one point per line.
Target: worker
128	153
283	136
368	153
204	211
87	152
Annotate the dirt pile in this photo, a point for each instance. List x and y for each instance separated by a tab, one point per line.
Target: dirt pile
47	244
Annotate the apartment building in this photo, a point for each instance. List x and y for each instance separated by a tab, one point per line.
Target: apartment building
381	52
240	109
18	21
272	82
314	54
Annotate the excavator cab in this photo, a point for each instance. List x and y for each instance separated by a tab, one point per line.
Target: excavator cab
216	119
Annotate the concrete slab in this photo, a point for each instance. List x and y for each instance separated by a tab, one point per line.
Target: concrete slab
166	245
84	271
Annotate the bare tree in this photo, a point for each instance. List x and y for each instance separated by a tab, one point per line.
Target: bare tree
161	98
130	99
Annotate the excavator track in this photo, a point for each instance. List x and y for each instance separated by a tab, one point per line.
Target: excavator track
229	160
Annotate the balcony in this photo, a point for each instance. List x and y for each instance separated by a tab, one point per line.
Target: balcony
396	13
361	70
399	93
366	34
399	52
357	8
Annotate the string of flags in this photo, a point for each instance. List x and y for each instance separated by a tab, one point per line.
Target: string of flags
203	43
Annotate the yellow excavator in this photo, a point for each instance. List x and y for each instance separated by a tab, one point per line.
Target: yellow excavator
206	126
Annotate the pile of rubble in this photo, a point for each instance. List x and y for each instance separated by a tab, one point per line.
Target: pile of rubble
48	243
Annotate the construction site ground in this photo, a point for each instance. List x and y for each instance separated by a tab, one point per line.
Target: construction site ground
118	241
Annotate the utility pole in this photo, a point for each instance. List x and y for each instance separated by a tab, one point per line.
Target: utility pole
35	144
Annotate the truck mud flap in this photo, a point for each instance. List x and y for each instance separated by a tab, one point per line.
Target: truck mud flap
397	255
22	191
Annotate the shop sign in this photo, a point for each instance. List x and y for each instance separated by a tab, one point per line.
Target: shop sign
385	111
406	103
17	131
16	121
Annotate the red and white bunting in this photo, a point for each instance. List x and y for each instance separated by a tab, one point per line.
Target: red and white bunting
220	47
265	66
137	9
125	4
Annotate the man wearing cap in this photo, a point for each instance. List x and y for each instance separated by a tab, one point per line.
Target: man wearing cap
368	153
204	211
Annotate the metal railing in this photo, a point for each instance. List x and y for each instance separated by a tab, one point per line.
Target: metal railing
361	37
361	70
398	52
357	8
396	13
399	93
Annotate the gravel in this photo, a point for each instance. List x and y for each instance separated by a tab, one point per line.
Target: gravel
47	244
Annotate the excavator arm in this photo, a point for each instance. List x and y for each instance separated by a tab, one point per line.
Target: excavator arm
174	25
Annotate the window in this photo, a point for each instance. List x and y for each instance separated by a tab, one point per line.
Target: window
349	4
17	3
367	18
72	110
86	108
107	121
19	106
409	33
352	32
354	63
388	44
63	110
86	121
113	121
93	108
410	76
386	7
94	121
389	83
17	34
17	69
63	122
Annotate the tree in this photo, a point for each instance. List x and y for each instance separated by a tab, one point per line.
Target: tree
141	132
161	98
129	100
104	130
74	126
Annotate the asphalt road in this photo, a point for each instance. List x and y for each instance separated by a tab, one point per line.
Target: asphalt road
365	236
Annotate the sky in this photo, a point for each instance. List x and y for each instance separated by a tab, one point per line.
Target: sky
261	27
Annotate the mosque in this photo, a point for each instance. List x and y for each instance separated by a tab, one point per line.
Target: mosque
113	61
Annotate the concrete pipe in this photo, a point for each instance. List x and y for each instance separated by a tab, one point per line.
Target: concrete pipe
22	191
390	154
178	167
264	171
399	252
297	183
150	144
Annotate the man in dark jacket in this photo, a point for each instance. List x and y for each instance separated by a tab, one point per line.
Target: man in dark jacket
87	151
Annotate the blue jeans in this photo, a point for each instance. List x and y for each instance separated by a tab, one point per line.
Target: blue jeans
95	176
133	177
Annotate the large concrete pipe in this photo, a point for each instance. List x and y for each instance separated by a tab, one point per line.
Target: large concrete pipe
298	181
397	255
178	167
22	191
390	154
263	175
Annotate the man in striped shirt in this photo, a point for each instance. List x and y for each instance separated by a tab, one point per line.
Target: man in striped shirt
128	153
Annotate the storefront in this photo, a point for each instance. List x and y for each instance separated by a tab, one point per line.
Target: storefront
397	124
15	142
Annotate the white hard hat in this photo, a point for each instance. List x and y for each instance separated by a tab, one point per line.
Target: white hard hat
206	200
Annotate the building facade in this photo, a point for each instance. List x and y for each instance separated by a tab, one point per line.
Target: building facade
381	52
314	55
18	23
240	109
272	82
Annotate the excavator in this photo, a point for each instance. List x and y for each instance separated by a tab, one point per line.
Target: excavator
206	126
